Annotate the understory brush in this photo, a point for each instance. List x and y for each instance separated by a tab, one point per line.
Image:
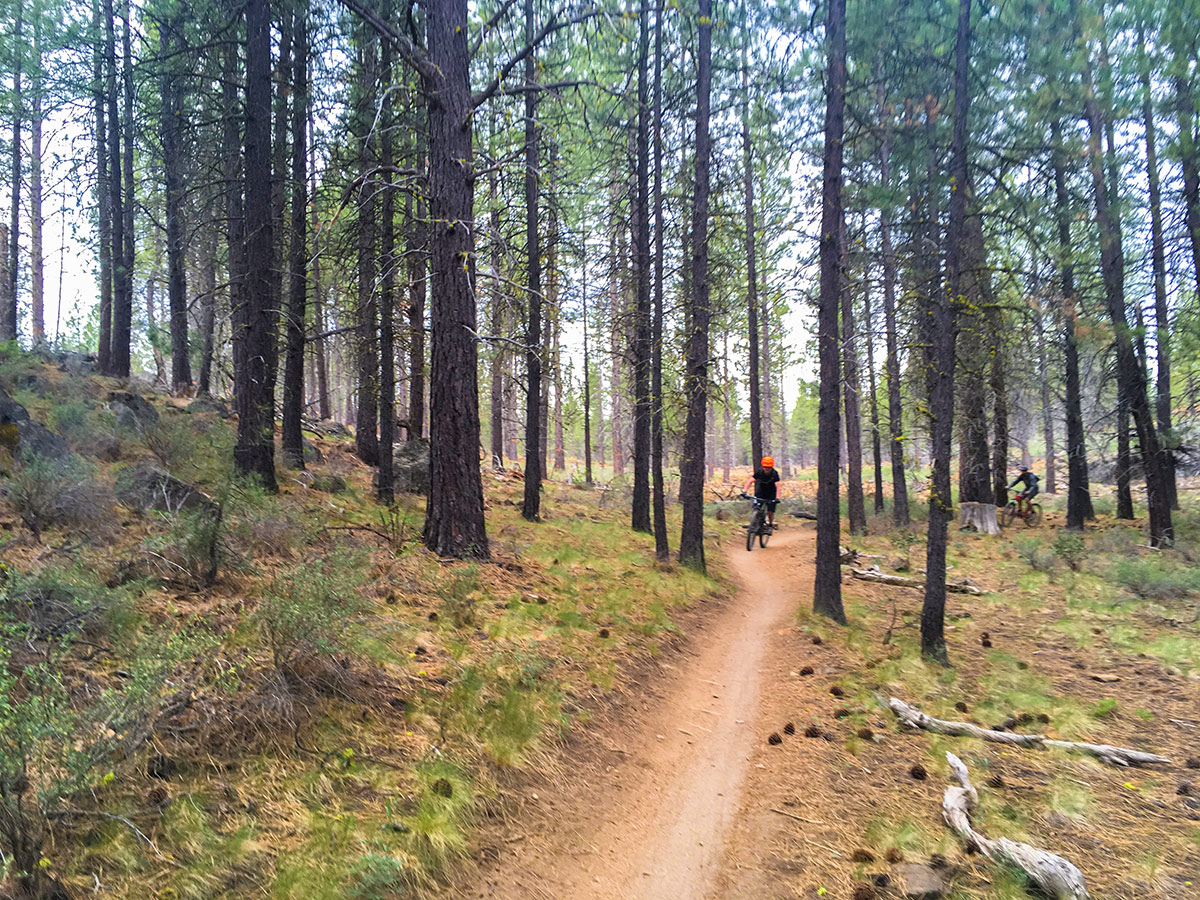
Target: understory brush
1155	577
47	493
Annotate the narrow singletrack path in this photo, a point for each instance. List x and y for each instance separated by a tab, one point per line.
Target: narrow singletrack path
653	816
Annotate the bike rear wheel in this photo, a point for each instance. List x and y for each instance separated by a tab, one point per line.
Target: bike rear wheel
1034	517
1008	514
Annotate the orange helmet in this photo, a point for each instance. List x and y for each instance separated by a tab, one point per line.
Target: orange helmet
768	462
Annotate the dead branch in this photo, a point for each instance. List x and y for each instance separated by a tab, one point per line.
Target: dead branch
1051	873
1116	756
874	573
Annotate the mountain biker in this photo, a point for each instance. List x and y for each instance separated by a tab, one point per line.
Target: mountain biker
764	479
1031	484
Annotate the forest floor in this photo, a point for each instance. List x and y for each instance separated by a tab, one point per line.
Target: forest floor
680	792
572	719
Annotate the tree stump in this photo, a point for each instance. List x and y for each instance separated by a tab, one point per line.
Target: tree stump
980	516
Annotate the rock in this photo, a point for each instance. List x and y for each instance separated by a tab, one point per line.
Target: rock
327	427
722	514
1106	677
132	411
712	535
922	882
77	364
24	438
329	484
209	405
146	487
104	447
312	453
410	466
900	564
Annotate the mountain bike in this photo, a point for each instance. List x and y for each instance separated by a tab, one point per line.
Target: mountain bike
758	526
1020	508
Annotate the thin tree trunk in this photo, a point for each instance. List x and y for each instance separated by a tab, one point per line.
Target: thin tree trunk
208	302
235	224
641	265
662	549
172	120
531	508
999	410
900	513
1131	375
320	349
122	334
691	469
869	331
1162	317
587	375
8	309
1079	497
856	508
120	301
254	453
499	356
385	491
756	434
454	523
293	367
37	281
617	313
941	375
1047	406
827	583
103	193
366	431
418	249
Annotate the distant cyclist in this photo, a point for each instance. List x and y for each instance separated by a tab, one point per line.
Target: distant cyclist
764	480
1030	481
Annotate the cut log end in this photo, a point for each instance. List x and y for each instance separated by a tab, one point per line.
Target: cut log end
979	516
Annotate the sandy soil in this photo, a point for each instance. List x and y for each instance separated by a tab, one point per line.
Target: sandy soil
651	813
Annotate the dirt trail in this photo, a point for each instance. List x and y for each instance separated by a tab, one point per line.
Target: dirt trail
653	815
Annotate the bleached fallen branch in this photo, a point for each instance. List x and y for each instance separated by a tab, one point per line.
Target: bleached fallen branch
874	573
1117	756
1051	873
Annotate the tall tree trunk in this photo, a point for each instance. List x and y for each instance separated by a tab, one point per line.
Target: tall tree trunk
499	356
1047	406
1189	158
170	90
856	509
999	386
658	492
153	333
254	453
827	584
320	350
208	301
869	331
37	282
235	223
292	438
975	352
103	191
691	469
418	250
454	523
616	315
8	309
941	375
587	374
366	431
121	300
122	333
1079	497
756	435
900	513
1162	317
641	267
1124	463
531	508
1130	374
385	491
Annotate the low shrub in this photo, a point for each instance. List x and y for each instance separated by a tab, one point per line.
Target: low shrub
459	594
1035	552
47	492
314	610
1155	578
1070	548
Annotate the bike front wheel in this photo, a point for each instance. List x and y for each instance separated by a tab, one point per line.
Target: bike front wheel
764	536
1008	514
751	531
1034	517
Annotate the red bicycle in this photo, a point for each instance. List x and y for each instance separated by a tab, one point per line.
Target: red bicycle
1019	507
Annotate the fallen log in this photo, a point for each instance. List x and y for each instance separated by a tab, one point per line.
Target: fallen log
1054	875
874	573
1116	756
